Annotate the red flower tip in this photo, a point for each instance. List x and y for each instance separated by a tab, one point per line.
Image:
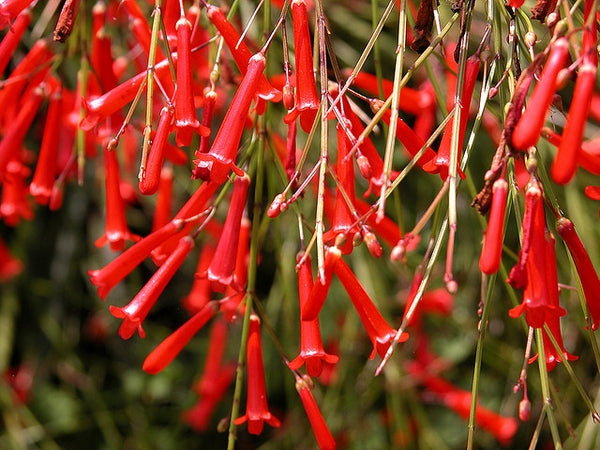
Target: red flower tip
325	439
257	410
491	253
136	311
168	349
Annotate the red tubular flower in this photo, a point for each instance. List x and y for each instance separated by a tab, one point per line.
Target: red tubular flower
168	349
220	159
30	71
459	400
186	120
241	53
112	101
528	128
325	439
307	99
565	163
200	292
208	109
235	293
411	141
343	222
111	274
220	271
12	141
552	355
441	163
318	293
10	266
195	205
311	345
411	100
257	410
9	9
379	331
491	253
151	175
517	277
116	232
164	199
11	40
136	311
585	269
213	364
15	205
45	170
538	291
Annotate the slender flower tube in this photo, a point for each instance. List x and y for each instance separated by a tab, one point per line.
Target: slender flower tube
325	439
14	204
200	292
11	40
441	163
517	277
412	141
311	345
45	170
565	164
116	232
112	101
168	349
9	9
208	109
379	331
307	99
30	71
491	253
257	410
220	159
220	271
318	293
536	296
151	175
529	127
164	199
186	120
232	305
241	53
213	364
585	269
11	142
136	311
195	205
111	274
343	222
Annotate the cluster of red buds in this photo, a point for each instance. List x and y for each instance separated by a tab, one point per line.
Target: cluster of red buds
188	95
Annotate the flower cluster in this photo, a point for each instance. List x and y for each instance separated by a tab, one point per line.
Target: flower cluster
191	95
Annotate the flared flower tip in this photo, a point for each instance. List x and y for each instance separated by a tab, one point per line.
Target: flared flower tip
98	280
314	362
129	325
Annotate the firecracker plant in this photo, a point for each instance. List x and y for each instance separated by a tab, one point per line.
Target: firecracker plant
342	224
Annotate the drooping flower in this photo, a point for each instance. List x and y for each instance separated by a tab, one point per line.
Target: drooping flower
529	127
150	176
318	293
380	332
168	349
491	253
325	439
116	231
257	409
220	159
136	311
585	269
220	271
311	345
307	99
